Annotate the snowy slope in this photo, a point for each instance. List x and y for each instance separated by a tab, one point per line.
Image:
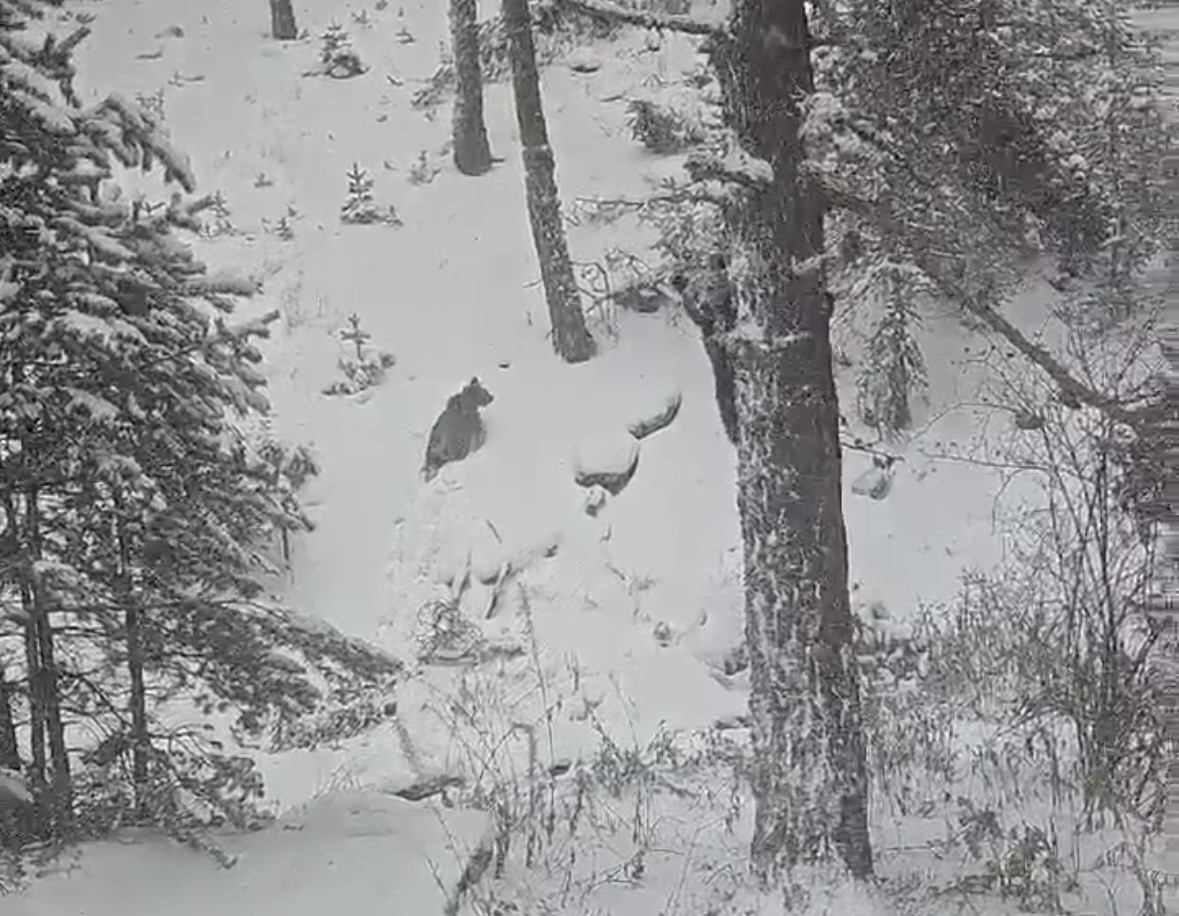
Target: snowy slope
334	854
617	623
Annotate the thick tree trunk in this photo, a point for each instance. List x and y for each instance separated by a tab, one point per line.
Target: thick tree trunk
810	776
472	151
282	21
571	337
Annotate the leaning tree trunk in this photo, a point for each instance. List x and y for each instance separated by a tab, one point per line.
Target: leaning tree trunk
571	337
472	151
810	776
282	21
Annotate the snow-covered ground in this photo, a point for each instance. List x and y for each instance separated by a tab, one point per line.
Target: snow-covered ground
615	624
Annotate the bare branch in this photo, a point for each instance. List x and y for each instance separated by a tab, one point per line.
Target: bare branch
611	12
1073	391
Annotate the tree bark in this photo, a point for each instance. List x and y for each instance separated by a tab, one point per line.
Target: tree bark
724	382
140	739
282	21
137	702
472	151
571	337
9	748
60	784
12	830
810	775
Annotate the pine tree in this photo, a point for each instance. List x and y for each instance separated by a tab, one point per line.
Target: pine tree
282	21
809	773
136	513
571	337
360	208
893	369
809	768
472	151
965	138
1013	130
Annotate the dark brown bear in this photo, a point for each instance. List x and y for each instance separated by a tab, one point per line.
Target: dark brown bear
458	431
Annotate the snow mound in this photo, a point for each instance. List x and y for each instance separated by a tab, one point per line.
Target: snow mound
607	459
875	483
348	852
650	418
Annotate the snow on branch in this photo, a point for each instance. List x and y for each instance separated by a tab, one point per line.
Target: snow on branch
612	12
227	282
750	335
138	141
1073	392
738	167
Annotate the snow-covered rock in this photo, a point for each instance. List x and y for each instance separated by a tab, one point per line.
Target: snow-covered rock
608	460
875	483
657	415
584	60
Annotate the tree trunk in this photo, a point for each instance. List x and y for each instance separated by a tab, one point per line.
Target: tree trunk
282	21
724	382
38	766
472	152
13	816
140	738
9	748
60	790
810	776
571	338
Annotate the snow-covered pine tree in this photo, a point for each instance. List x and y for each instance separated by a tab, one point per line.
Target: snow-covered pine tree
893	369
337	56
133	504
570	335
359	208
1002	131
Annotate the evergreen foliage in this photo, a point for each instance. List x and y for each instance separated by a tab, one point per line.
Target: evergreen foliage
136	509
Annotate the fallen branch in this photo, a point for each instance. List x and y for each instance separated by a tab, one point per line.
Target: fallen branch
611	12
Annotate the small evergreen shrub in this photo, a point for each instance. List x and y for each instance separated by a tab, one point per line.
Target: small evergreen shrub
363	369
337	57
893	369
360	208
660	129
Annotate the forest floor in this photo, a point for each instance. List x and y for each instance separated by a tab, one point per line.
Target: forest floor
609	633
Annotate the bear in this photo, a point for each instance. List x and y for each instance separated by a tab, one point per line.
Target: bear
459	430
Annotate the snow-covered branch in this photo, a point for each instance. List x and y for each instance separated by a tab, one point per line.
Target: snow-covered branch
738	167
611	12
1072	390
